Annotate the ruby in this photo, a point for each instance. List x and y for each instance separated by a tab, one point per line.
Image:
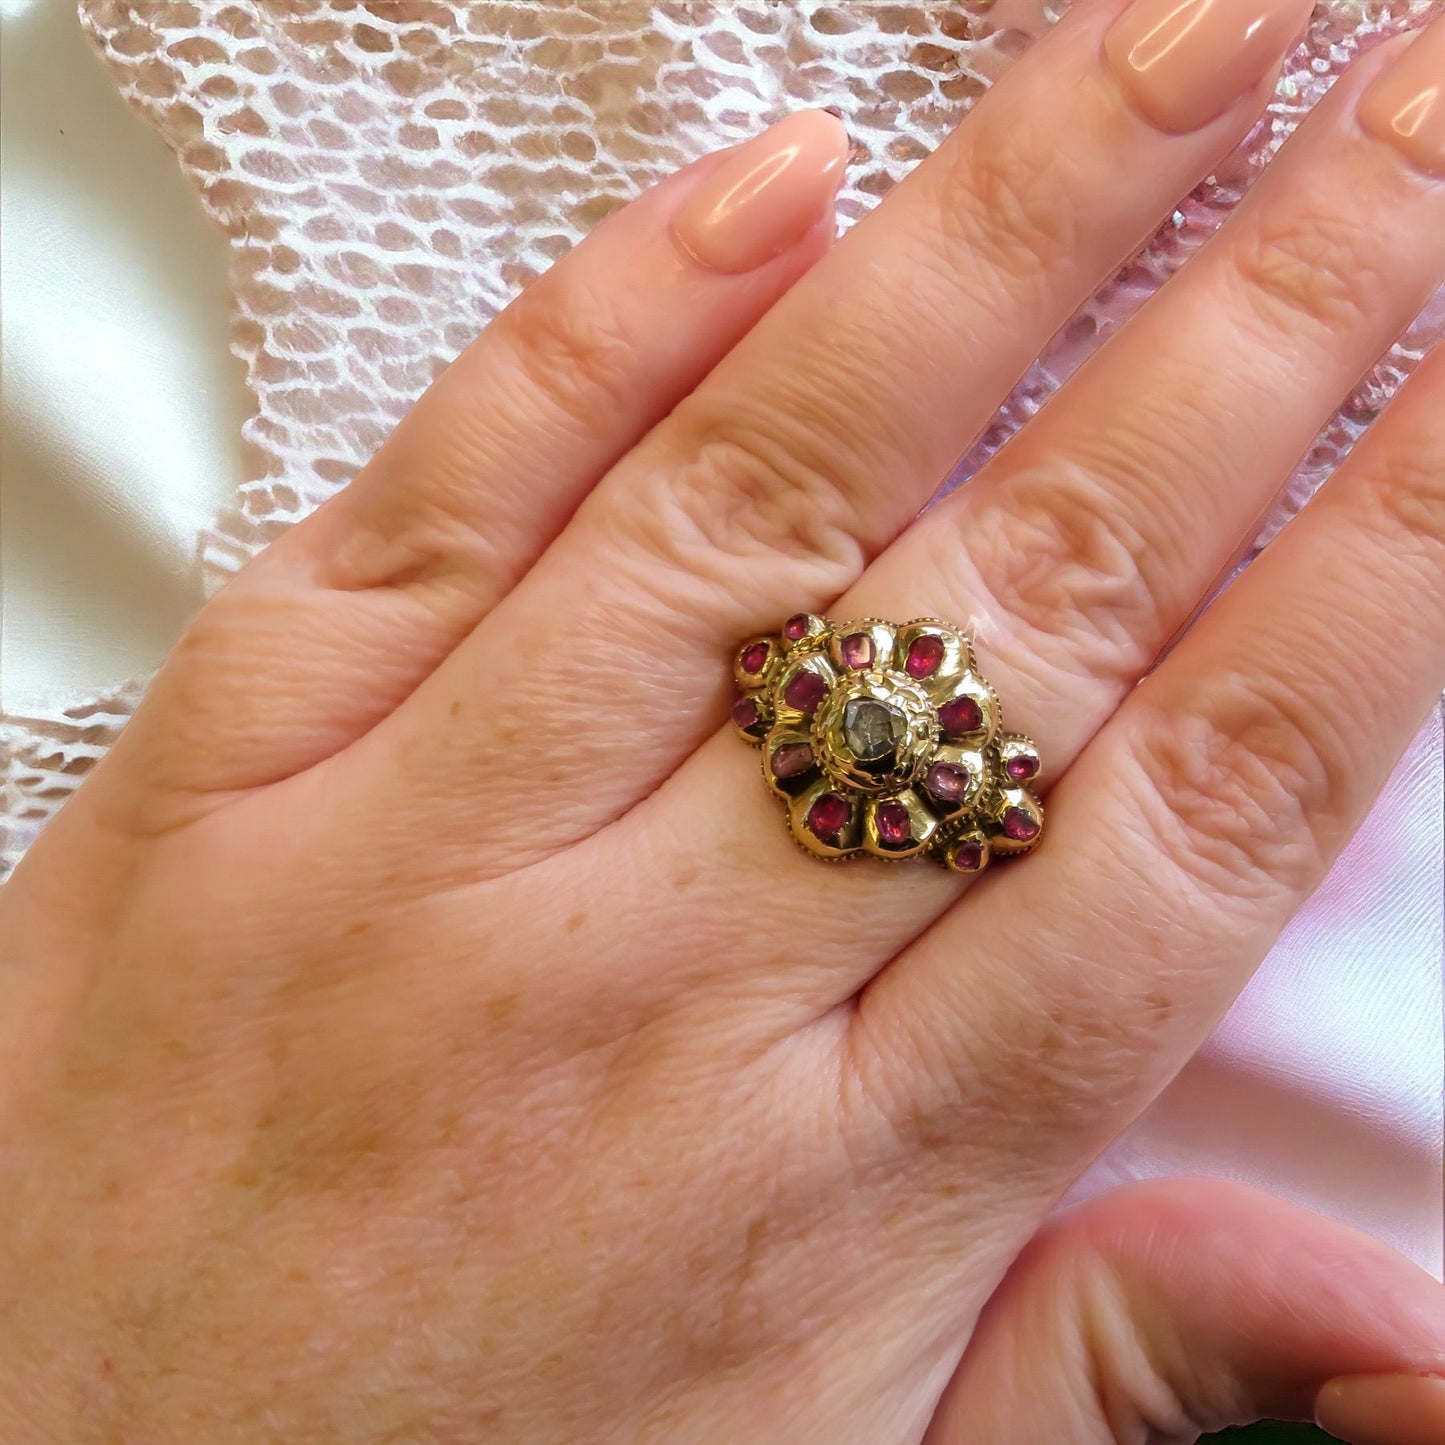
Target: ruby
895	827
1019	826
755	657
1022	766
791	759
745	714
856	650
828	816
805	690
948	781
795	629
924	655
968	857
962	715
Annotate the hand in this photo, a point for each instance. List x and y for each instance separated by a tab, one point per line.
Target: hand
422	1028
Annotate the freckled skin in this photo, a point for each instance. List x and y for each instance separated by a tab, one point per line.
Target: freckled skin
415	1031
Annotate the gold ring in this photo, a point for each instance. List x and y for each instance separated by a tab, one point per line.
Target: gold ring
884	739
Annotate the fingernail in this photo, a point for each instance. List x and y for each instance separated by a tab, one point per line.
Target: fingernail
768	194
1183	63
1405	106
1383	1409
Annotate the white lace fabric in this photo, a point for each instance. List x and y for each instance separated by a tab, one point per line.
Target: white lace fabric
389	173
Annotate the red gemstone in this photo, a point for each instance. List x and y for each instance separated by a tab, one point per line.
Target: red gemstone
791	759
924	655
828	816
796	627
745	714
1019	826
962	715
755	657
895	827
805	690
1022	766
948	781
856	650
968	857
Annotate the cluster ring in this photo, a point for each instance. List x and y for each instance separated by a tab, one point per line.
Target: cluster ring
882	738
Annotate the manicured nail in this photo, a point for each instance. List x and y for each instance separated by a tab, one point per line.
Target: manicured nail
1183	63
768	194
1383	1409
1405	105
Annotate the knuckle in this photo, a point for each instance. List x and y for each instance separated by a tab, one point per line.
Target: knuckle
1403	494
1238	791
572	347
754	487
1058	554
1009	200
1310	268
429	549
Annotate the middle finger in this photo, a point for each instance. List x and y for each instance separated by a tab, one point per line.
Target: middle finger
829	427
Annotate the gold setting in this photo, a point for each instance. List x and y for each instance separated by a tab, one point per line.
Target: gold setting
884	739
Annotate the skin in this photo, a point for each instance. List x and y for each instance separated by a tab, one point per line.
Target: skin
420	1028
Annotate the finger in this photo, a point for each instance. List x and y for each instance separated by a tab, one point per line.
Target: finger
826	431
336	622
1183	1306
1083	548
1384	1409
1191	828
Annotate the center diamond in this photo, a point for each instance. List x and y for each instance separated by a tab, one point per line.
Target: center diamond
872	729
875	732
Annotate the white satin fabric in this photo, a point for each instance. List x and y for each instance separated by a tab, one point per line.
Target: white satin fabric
122	413
122	404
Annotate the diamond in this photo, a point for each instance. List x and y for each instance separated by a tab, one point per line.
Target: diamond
968	856
925	653
872	730
962	715
791	759
805	690
795	629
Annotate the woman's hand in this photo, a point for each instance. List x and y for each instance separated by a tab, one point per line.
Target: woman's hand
422	1028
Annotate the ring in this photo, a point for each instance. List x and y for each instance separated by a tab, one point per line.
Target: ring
884	739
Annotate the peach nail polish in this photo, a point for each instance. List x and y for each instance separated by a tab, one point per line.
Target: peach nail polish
766	195
1405	105
1183	63
1383	1409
